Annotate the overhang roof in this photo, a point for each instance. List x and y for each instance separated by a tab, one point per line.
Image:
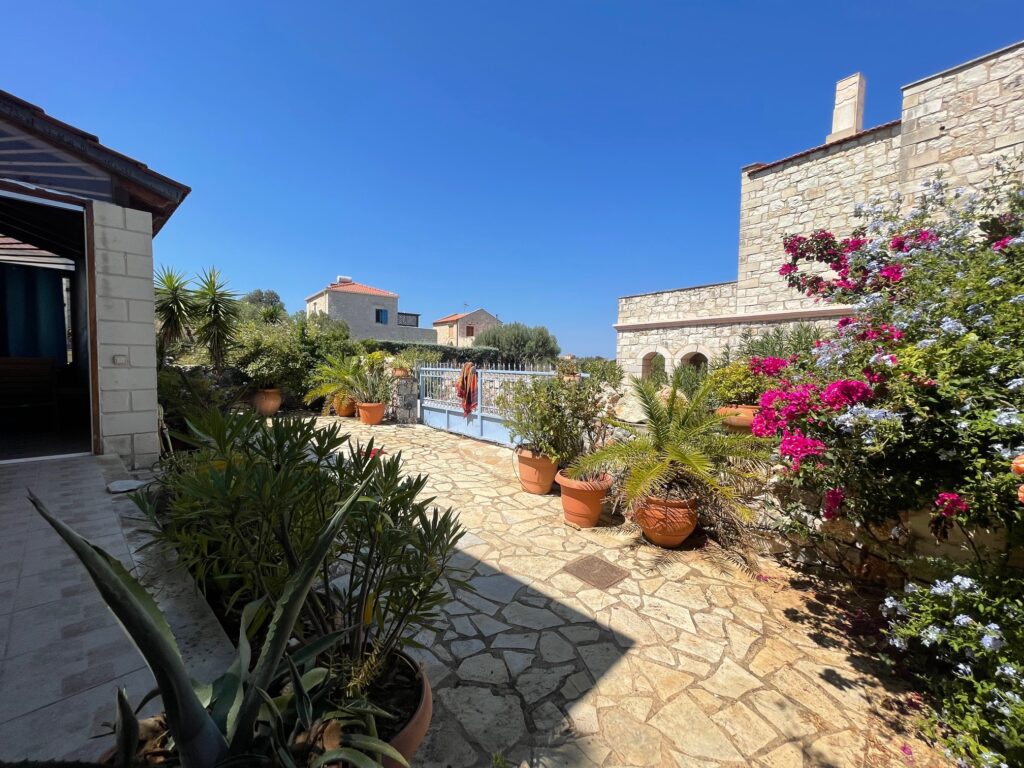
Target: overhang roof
450	318
138	186
354	287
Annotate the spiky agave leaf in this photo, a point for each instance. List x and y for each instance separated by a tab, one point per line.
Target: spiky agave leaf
199	742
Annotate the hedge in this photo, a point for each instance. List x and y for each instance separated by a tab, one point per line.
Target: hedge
475	355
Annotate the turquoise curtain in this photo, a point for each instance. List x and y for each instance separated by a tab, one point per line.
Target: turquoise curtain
32	317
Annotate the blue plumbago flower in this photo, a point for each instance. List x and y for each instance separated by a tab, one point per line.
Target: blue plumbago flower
964	582
993	638
1019	299
1014	384
995	282
898	642
993	627
964	670
910	587
963	620
1006	670
893	607
952	327
974	309
931	634
962	425
993	370
984	320
1007	417
1002	451
925	343
941	588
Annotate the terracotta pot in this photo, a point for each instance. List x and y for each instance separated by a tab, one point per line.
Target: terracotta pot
581	499
401	373
408	740
536	471
371	413
667	522
738	417
344	406
267	402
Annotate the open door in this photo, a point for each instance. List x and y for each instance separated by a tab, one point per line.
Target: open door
45	367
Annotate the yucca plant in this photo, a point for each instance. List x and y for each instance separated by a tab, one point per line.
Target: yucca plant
251	713
216	316
176	308
334	377
372	383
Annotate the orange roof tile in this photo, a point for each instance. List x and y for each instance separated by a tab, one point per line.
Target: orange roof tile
450	318
354	287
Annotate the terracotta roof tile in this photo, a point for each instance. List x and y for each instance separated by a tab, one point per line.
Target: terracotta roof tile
450	318
354	287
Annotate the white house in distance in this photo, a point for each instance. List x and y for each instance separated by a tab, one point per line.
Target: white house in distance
460	329
371	313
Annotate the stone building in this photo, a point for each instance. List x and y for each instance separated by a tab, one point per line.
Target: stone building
957	122
460	329
77	342
371	313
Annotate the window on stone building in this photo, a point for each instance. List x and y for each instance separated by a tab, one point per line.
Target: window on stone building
470	331
381	316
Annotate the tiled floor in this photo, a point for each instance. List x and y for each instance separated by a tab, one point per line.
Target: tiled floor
62	654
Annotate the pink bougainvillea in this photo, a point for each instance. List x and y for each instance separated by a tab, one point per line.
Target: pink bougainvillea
796	447
845	392
999	245
950	504
767	366
834	498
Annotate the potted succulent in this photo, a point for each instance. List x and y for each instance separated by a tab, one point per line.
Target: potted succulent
373	387
230	719
380	582
333	378
679	458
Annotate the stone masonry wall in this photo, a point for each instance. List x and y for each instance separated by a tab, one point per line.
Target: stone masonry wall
358	311
125	337
956	122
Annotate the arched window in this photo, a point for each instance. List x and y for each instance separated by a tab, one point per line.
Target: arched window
653	367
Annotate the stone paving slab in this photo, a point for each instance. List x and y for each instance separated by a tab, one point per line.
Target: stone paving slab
62	654
678	664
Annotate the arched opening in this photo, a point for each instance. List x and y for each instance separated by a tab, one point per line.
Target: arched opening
653	368
696	360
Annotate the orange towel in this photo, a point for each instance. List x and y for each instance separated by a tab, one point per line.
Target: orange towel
466	388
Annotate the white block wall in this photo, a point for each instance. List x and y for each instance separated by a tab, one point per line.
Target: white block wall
125	333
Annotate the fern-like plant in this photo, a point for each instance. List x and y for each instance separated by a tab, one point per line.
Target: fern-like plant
681	451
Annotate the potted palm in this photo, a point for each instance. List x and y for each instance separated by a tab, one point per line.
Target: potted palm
373	387
680	458
334	378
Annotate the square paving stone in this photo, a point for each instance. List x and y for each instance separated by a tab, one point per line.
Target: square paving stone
596	571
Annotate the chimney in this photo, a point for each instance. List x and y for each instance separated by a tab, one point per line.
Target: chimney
848	113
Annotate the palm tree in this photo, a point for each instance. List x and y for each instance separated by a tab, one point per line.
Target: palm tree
175	308
334	377
217	314
682	451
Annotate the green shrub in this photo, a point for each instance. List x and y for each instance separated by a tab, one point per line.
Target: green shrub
519	344
735	384
478	355
558	416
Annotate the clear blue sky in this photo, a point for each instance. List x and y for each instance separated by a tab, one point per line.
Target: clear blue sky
537	158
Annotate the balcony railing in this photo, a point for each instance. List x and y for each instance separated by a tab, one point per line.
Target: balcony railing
409	319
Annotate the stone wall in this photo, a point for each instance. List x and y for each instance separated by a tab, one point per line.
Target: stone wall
125	337
406	403
957	122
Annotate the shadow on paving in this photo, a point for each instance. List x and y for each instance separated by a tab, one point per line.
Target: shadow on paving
510	667
840	619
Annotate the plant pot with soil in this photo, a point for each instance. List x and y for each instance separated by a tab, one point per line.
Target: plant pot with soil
344	406
680	467
536	471
737	416
268	401
333	380
582	499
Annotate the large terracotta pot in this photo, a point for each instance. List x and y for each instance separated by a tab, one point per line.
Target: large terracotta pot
344	406
667	522
581	499
738	417
408	740
371	413
536	471
267	402
401	373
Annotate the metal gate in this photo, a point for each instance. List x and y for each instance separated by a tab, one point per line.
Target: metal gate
441	408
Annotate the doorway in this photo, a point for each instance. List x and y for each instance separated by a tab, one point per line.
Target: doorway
45	368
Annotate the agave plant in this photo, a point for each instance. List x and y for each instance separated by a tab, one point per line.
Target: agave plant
217	316
373	383
334	377
175	307
237	718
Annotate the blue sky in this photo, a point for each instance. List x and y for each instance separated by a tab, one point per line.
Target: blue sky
537	158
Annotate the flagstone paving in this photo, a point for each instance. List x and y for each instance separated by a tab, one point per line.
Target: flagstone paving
679	664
